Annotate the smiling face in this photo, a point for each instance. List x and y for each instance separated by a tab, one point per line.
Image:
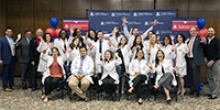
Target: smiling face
63	34
140	54
55	52
76	42
83	51
160	55
135	31
180	39
39	32
123	41
166	41
138	40
107	55
92	33
153	38
193	31
48	38
211	32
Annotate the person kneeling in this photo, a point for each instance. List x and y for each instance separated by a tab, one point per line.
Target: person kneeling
165	76
82	69
54	72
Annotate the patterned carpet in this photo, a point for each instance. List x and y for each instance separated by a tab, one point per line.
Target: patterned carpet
28	100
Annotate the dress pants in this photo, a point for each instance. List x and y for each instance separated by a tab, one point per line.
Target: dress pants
79	86
50	84
137	81
25	73
8	73
109	85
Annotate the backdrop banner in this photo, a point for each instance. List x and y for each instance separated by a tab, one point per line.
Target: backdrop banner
106	20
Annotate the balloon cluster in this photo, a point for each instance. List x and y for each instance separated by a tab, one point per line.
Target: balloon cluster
54	31
203	32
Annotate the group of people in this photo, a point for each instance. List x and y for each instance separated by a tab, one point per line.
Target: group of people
111	57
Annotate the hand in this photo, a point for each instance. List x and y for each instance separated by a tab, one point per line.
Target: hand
69	49
81	76
203	39
205	59
176	68
131	31
116	54
1	62
62	48
109	42
18	37
87	35
155	22
173	48
50	45
187	40
78	76
100	55
159	46
148	51
172	37
33	63
133	49
124	20
41	38
149	65
136	74
71	31
210	63
90	46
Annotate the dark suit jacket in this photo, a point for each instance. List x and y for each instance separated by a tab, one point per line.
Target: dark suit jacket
198	51
25	54
5	50
212	50
34	54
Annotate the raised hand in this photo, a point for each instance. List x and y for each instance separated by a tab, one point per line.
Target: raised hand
173	48
159	46
109	42
155	22
18	38
149	65
71	31
187	40
124	20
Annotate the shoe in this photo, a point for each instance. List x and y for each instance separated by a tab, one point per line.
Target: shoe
24	88
86	99
15	88
212	98
168	101
46	100
113	97
8	90
209	95
140	101
34	89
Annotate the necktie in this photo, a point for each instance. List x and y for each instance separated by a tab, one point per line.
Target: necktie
100	46
162	69
190	46
12	47
65	46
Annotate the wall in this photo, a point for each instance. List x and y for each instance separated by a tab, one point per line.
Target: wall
31	14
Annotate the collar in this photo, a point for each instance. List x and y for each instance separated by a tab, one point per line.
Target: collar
83	57
211	38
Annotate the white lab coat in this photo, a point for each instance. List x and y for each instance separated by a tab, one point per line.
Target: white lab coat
59	42
74	53
95	51
153	53
168	68
49	59
181	52
169	54
136	66
109	68
42	64
87	67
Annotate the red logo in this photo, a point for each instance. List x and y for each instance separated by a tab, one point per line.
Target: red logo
183	25
81	24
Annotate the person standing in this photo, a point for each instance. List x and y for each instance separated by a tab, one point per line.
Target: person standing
212	60
24	45
7	60
195	58
34	57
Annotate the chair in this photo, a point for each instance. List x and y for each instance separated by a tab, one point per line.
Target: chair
175	88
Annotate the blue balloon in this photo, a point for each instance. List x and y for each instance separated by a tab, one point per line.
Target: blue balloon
201	23
54	22
201	84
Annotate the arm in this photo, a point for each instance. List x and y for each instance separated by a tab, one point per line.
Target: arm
90	71
126	32
131	68
74	69
0	49
65	56
40	47
98	61
217	55
118	60
44	55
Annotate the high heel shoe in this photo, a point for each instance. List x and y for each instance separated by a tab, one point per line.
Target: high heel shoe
168	101
140	102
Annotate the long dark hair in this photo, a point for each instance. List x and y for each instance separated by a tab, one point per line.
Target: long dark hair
60	36
96	38
168	37
134	43
182	36
137	53
111	53
72	45
119	44
44	37
157	60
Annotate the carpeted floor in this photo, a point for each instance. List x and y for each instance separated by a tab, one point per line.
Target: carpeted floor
28	100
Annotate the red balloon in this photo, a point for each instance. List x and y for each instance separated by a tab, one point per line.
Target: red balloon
57	31
203	32
51	31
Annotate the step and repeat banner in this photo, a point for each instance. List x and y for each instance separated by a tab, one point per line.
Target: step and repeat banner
106	20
